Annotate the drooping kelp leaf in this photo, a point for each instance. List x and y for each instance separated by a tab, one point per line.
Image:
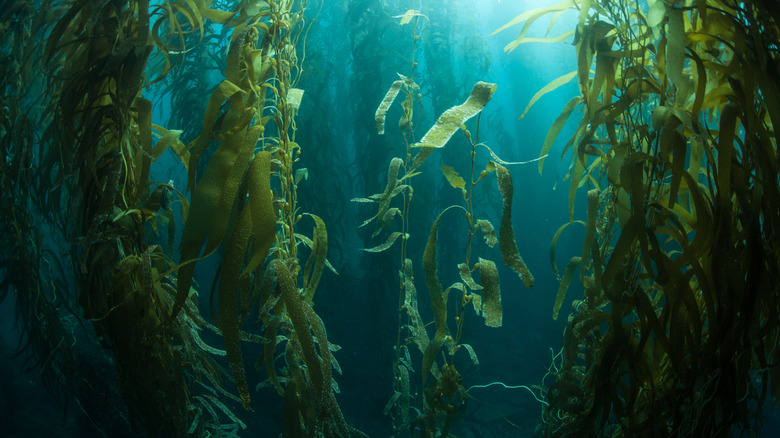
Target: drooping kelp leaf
590	229
416	326
568	273
552	86
316	263
556	128
437	296
675	45
491	293
388	243
381	111
488	232
231	183
452	119
201	220
260	202
554	245
530	17
223	92
227	299
506	235
384	222
452	177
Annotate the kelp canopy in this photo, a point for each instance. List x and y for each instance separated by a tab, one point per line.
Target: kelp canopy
673	146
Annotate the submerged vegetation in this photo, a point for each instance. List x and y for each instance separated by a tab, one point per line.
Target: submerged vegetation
677	333
143	302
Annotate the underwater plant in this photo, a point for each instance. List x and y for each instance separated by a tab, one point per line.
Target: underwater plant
677	333
442	397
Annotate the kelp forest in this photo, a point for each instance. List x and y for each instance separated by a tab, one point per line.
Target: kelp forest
426	218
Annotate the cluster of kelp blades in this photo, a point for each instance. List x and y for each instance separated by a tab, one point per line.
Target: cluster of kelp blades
84	173
677	334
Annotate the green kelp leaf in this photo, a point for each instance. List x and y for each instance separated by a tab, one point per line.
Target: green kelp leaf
472	354
300	174
225	90
316	262
656	11
247	141
729	120
384	221
465	275
169	138
556	128
491	295
556	39
675	45
204	220
437	296
296	310
450	122
381	112
415	324
590	228
452	177
388	243
530	17
506	235
227	299
408	15
555	84
488	232
294	97
564	285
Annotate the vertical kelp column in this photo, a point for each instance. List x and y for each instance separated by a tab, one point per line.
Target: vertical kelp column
677	333
440	396
245	206
102	147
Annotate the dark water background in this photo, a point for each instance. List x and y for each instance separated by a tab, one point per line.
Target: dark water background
354	50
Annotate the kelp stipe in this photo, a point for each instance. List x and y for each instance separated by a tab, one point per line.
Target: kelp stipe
677	332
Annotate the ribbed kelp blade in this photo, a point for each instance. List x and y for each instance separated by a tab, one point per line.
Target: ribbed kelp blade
225	90
491	294
450	122
203	214
556	128
381	111
438	298
228	300
506	235
316	263
298	317
261	204
564	285
488	232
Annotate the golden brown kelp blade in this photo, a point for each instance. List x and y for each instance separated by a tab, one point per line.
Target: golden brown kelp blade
506	240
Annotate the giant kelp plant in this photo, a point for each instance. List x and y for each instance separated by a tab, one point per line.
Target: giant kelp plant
82	169
441	396
677	333
673	149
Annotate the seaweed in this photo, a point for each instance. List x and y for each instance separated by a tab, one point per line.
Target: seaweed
677	332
